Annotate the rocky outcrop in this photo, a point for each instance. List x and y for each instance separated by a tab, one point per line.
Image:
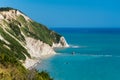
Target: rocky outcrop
62	43
12	14
27	38
38	50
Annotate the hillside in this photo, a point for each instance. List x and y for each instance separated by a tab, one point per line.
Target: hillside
23	41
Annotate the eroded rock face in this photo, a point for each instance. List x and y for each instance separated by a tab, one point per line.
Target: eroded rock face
11	14
62	43
34	38
1	17
37	48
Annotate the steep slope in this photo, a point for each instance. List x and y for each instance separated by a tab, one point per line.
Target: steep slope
26	39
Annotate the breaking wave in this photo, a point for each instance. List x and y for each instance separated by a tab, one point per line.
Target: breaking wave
76	46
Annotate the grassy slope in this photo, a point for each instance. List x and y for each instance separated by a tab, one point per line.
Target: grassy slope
39	31
12	69
30	29
10	54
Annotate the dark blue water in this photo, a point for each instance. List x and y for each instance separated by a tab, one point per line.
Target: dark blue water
97	55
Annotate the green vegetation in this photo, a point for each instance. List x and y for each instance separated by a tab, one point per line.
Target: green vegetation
41	32
12	69
37	31
22	20
15	30
31	29
18	50
10	66
12	46
6	9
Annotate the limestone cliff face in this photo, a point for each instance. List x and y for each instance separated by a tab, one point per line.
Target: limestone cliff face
25	38
37	48
62	43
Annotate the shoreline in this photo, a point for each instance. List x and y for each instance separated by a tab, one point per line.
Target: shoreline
32	63
40	50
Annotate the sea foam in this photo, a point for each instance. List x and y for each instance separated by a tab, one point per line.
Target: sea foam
76	46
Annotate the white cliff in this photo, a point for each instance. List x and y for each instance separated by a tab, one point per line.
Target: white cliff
38	50
11	14
35	47
62	43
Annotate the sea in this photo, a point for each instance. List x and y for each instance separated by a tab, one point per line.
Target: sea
94	54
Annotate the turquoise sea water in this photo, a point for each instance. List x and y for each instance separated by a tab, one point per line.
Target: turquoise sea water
97	55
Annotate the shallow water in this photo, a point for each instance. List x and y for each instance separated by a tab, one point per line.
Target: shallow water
97	56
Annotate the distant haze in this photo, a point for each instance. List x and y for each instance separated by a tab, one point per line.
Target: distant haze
70	13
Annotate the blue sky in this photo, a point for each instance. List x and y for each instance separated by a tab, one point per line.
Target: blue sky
70	13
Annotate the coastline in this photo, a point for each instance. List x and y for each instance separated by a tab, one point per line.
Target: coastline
39	50
32	63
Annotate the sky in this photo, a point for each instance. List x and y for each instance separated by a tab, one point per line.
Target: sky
69	13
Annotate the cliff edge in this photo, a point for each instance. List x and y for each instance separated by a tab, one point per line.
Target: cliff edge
26	39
